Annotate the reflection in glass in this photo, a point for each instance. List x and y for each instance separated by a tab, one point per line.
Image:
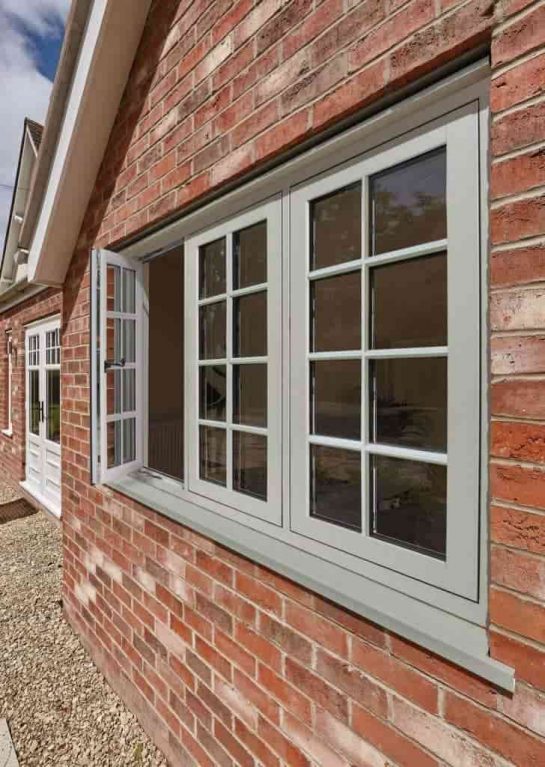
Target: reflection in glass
250	394
336	228
213	387
250	464
212	268
113	443
114	351
250	256
129	439
335	486
212	452
409	503
113	391
336	398
408	203
113	288
34	401
53	386
336	313
409	303
250	325
212	331
409	404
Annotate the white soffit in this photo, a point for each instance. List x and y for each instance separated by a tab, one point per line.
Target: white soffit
107	52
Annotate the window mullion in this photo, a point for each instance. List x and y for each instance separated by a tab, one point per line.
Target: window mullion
365	393
229	353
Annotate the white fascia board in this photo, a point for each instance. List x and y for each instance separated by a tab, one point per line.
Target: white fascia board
107	52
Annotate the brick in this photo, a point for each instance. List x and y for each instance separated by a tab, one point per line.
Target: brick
289	641
256	746
518	266
258	593
502	737
517	528
236	703
232	650
521	37
281	745
516	85
518	129
518	174
518	484
519	572
258	647
518	354
319	751
281	23
517	220
526	707
319	691
518	398
352	682
520	616
290	695
352	95
390	671
522	441
317	628
347	742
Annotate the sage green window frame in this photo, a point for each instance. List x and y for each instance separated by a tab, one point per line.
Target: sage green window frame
448	623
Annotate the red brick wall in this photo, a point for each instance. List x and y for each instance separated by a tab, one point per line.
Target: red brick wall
225	662
12	449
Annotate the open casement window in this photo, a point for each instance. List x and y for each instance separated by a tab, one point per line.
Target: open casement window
234	362
385	356
119	363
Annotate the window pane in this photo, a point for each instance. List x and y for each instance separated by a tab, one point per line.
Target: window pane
34	401
336	313
336	398
250	325
114	351
410	403
212	450
129	439
408	203
409	301
129	290
129	340
250	256
250	464
410	503
113	391
113	288
336	228
113	443
129	390
212	331
335	492
165	369
212	268
213	387
53	384
250	394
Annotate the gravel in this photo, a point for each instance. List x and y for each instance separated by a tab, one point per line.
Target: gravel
59	708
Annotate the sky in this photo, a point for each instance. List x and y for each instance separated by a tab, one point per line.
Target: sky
30	39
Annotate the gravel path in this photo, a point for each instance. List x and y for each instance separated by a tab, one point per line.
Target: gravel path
59	708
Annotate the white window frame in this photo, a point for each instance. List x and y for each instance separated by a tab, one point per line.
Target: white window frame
8	430
432	614
458	132
271	509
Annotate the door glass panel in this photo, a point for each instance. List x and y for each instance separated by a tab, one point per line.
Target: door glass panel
335	494
114	351
336	228
213	388
34	401
250	256
409	303
409	403
336	313
129	439
213	456
409	503
129	291
129	390
212	268
250	394
129	340
250	325
336	398
250	464
408	203
53	399
113	391
113	444
212	325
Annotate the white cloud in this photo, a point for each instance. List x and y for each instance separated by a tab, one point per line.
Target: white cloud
24	92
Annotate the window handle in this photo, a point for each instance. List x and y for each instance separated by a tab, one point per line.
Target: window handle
41	411
114	364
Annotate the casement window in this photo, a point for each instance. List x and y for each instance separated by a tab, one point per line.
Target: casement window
298	370
8	384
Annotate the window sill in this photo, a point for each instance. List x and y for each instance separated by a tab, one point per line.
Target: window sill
7	432
418	622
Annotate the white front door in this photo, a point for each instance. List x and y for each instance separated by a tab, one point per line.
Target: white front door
43	413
